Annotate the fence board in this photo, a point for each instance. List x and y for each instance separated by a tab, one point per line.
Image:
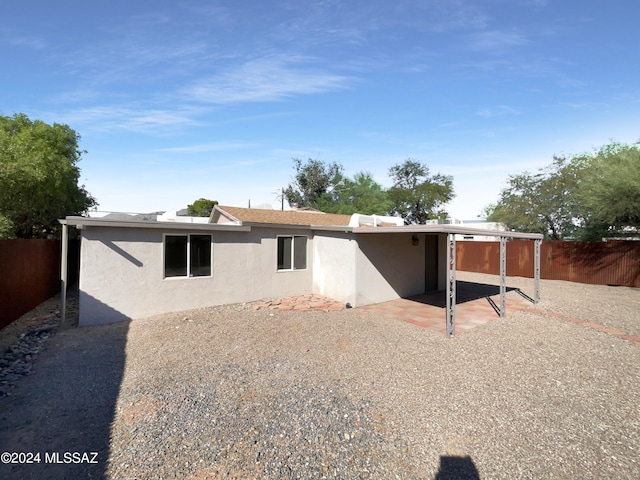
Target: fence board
29	274
605	263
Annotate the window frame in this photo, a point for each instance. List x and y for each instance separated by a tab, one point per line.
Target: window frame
292	260
188	256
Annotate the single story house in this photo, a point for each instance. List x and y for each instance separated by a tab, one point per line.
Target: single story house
132	268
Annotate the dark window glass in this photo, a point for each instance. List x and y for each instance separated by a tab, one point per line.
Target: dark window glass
175	256
284	253
200	255
299	253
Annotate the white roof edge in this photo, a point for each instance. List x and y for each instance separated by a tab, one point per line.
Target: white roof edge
447	228
438	228
93	222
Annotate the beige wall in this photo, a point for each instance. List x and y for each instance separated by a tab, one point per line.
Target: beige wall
334	266
122	273
388	266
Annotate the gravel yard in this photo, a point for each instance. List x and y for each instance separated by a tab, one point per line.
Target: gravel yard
229	392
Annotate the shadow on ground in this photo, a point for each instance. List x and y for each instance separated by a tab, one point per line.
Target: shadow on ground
465	292
457	468
66	405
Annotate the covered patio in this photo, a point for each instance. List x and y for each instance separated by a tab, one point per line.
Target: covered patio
476	305
451	297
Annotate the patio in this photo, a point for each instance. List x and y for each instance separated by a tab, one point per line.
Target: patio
477	304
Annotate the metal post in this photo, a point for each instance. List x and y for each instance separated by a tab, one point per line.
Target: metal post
451	285
503	274
63	274
536	271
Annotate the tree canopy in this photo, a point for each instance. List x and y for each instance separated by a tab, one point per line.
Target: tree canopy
361	194
416	195
201	207
582	197
311	181
38	177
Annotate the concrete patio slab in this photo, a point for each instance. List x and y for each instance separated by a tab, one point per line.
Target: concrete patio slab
476	304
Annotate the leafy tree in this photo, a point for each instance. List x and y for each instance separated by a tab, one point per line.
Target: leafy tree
201	207
6	227
542	202
416	195
358	195
312	180
38	177
610	191
583	197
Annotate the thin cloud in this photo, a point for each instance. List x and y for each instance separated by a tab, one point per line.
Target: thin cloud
495	41
207	147
266	79
498	111
145	120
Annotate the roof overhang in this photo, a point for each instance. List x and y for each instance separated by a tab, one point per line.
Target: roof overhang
434	229
85	222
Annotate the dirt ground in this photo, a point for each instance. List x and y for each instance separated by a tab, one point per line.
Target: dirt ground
233	392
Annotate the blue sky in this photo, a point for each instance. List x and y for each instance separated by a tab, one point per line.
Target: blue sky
177	100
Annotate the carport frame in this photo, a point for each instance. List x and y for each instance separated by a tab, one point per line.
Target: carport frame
451	231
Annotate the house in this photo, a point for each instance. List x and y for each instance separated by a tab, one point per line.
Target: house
132	268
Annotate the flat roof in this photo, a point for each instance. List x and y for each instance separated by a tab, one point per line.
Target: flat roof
81	222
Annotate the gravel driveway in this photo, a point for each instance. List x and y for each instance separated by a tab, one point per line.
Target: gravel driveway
229	392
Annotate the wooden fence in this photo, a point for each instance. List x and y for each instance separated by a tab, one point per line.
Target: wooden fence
30	274
606	263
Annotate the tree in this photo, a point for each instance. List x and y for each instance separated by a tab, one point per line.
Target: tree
311	181
39	177
201	207
583	197
610	191
543	202
358	195
417	196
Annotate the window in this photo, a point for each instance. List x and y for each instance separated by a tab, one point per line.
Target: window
187	256
292	253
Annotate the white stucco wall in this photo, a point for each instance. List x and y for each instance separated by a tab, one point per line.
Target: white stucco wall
334	266
388	266
121	273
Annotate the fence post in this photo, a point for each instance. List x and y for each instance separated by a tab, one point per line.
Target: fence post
536	270
503	275
451	285
63	274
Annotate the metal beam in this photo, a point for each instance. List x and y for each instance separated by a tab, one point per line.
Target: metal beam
536	270
503	275
451	285
63	275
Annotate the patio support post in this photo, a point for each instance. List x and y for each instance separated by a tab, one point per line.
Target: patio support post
536	270
63	274
451	285
503	274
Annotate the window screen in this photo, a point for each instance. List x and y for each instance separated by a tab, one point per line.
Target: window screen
284	253
292	253
200	253
299	253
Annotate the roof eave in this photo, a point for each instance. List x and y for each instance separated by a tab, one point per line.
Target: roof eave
82	222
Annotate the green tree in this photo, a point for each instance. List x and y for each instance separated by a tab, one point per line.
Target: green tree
416	195
543	202
362	194
610	191
582	197
201	207
311	181
39	177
